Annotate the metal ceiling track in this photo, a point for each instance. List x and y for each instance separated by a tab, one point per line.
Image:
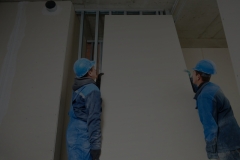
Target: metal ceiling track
124	12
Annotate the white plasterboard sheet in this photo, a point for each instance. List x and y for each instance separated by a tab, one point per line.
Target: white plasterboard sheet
148	106
230	15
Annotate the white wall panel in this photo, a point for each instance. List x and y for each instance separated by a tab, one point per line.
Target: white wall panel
148	106
230	15
38	43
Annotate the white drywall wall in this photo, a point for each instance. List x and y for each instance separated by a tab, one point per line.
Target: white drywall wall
225	77
37	42
230	14
148	106
72	49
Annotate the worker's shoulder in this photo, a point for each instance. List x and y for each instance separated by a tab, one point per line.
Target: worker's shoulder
211	89
212	85
89	88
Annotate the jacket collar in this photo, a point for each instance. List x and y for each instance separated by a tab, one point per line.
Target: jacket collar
79	82
200	88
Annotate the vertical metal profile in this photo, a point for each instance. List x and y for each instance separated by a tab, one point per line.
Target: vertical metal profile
96	37
92	49
81	35
100	58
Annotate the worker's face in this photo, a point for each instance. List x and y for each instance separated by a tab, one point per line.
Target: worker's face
196	78
92	73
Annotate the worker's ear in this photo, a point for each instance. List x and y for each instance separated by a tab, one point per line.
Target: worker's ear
199	77
90	72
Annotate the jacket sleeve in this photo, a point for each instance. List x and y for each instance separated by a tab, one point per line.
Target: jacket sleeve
207	116
93	103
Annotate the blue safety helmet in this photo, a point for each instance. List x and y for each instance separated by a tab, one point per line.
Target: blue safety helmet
82	66
206	66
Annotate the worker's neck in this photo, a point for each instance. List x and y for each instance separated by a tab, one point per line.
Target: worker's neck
199	83
91	77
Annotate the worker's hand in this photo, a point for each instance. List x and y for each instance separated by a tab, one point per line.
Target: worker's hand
95	154
100	74
188	72
98	81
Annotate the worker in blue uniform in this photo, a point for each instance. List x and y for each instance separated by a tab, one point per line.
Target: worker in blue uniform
84	128
221	130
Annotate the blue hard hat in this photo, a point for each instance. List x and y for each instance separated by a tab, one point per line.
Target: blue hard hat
206	66
82	66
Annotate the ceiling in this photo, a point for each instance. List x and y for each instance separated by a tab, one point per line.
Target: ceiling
198	22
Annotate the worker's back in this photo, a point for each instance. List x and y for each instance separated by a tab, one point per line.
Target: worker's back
228	134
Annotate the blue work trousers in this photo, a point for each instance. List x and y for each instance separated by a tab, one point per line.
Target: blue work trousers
78	145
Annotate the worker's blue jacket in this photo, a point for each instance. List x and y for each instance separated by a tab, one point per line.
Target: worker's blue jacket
221	129
84	128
